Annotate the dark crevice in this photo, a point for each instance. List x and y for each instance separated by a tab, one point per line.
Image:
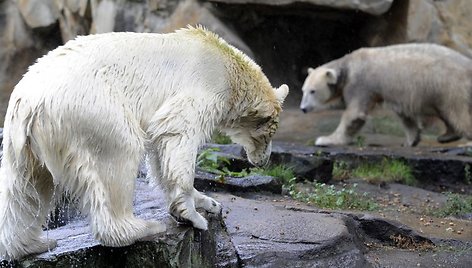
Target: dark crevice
284	241
394	235
286	40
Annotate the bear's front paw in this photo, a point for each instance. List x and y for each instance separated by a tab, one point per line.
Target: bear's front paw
196	220
331	140
214	207
324	141
207	203
182	209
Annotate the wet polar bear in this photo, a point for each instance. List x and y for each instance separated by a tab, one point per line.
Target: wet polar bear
83	117
415	80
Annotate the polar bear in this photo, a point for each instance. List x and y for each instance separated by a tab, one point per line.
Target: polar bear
85	115
415	80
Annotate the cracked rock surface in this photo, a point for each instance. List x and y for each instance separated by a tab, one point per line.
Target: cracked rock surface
258	227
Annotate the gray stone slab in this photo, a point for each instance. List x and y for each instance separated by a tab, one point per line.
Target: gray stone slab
266	234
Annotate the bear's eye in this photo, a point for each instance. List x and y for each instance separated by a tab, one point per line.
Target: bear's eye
312	92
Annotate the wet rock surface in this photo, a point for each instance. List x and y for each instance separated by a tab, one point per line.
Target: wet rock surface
267	233
180	246
259	227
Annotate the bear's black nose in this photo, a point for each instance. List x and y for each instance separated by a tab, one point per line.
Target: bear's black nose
304	110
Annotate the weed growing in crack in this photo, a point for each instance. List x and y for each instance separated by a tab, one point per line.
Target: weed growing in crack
284	173
456	204
210	161
341	170
220	138
467	174
360	141
328	196
386	171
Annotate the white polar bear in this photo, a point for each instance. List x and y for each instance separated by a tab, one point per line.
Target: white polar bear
85	115
415	80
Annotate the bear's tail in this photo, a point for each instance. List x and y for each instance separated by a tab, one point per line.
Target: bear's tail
23	205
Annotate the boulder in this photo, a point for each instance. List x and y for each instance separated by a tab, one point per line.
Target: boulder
443	22
38	13
268	234
374	7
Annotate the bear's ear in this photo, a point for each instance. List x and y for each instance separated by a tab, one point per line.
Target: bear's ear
281	93
331	76
310	70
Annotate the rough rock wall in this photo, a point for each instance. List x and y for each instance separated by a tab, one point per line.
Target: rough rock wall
30	28
284	36
443	22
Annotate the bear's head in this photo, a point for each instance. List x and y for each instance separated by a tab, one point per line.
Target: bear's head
255	128
320	89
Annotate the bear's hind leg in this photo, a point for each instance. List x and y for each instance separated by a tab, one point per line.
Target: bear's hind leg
25	201
449	136
108	199
458	121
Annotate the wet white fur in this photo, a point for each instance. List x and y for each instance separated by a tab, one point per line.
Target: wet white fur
86	114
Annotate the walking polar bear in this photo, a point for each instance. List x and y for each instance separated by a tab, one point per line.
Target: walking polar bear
85	115
415	80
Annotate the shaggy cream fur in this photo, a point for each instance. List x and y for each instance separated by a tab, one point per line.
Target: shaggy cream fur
414	80
85	115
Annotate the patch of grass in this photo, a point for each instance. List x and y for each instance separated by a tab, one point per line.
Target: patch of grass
341	170
360	141
284	173
467	174
456	204
220	138
328	196
377	173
